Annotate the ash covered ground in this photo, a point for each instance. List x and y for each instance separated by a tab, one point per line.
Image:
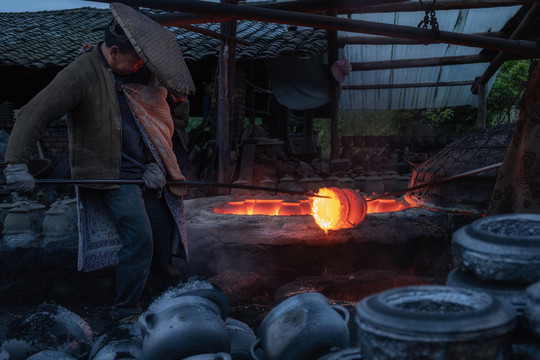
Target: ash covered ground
36	275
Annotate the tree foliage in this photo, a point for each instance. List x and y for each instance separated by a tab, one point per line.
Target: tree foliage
506	92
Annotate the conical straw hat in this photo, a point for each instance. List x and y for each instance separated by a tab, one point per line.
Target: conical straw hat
157	47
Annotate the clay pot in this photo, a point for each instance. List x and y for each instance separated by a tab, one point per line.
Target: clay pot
532	309
511	294
360	183
18	228
265	207
71	204
386	205
267	182
36	213
331	181
5	206
351	210
304	326
56	223
287	182
242	338
290	207
235	207
374	185
346	182
433	322
119	341
183	326
502	248
305	204
218	356
304	183
49	327
238	191
346	354
17	221
316	183
50	355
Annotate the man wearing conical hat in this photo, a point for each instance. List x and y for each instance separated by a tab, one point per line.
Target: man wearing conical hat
119	125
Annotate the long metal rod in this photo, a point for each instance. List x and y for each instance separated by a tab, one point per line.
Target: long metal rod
438	182
171	182
332	23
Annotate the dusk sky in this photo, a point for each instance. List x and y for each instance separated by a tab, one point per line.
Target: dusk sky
39	5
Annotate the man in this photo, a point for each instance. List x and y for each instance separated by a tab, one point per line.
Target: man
116	131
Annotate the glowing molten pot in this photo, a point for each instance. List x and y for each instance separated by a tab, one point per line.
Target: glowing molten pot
341	209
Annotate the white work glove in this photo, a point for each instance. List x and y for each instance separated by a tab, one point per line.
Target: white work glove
153	177
18	179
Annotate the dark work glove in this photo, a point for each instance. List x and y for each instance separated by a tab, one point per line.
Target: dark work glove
153	177
18	179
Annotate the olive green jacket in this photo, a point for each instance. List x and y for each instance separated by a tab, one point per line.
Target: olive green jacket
85	91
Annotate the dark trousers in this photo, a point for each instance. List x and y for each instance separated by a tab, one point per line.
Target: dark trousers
146	228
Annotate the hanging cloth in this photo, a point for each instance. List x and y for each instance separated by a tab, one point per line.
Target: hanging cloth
150	107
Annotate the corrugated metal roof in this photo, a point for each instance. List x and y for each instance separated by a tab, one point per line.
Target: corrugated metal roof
40	39
461	21
46	38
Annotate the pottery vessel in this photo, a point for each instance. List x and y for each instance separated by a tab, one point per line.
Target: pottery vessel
433	322
304	326
502	248
183	326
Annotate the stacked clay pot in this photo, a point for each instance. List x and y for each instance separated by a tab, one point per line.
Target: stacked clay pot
433	322
500	255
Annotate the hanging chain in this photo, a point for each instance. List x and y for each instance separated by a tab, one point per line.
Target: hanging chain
429	17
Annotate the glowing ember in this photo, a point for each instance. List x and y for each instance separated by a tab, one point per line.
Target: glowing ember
338	209
326	211
385	205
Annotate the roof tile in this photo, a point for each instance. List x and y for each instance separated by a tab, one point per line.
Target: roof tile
44	38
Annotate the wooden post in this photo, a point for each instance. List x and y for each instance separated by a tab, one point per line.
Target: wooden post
481	120
223	115
333	54
226	93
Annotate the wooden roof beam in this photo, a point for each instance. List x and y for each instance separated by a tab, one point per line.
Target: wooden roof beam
410	85
302	6
415	63
387	40
414	5
530	48
344	7
531	18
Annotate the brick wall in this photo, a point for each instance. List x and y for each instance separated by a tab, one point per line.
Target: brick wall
54	141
